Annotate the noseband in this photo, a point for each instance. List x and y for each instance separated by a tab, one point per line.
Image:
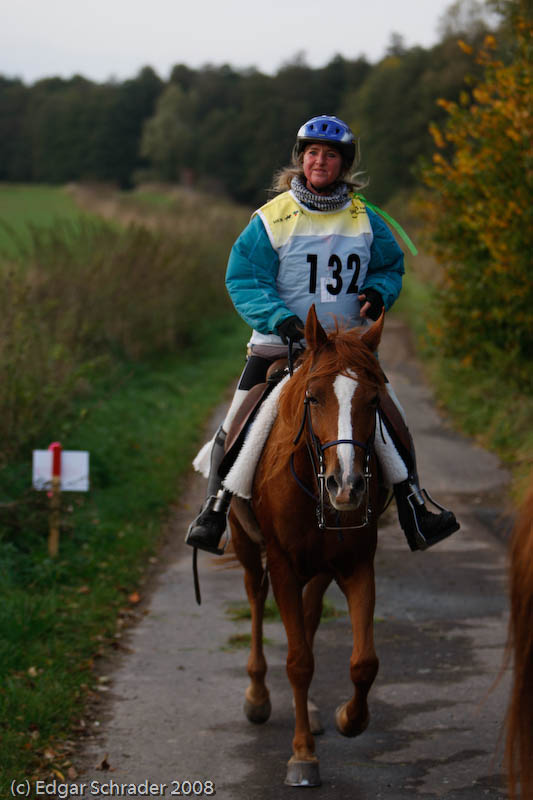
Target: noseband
316	449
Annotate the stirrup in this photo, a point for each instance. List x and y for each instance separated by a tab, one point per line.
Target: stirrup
417	499
209	526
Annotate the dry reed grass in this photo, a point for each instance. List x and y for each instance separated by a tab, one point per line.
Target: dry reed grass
86	292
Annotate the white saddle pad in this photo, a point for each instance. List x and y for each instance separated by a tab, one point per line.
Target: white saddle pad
239	479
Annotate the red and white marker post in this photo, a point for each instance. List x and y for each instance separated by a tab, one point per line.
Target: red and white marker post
55	500
56	471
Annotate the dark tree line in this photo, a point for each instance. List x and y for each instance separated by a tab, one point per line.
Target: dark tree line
225	129
60	130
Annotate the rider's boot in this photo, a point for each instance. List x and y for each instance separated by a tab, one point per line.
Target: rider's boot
206	530
422	528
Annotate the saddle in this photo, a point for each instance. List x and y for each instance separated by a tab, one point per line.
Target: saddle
249	408
389	415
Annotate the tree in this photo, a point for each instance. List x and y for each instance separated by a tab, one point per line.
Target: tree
467	18
135	101
480	212
390	111
169	135
15	157
60	122
75	129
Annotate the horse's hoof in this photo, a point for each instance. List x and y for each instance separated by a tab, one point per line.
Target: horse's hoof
257	714
303	773
347	728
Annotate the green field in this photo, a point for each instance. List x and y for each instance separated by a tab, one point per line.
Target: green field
23	205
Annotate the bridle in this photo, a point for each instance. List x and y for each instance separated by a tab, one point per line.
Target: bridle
316	449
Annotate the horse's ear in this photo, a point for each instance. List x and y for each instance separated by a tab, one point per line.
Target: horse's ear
372	336
315	335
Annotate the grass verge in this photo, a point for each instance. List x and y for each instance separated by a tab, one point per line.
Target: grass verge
142	426
482	404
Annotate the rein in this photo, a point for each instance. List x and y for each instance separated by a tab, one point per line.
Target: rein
316	449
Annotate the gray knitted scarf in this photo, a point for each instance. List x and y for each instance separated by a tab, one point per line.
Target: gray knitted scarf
319	202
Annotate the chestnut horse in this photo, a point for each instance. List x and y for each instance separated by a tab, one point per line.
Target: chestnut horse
316	502
519	746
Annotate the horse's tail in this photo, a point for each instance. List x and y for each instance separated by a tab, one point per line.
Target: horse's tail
519	740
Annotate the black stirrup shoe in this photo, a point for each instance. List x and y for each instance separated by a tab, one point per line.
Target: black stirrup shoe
206	530
422	528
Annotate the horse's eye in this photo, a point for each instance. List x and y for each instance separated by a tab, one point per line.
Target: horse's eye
374	401
311	399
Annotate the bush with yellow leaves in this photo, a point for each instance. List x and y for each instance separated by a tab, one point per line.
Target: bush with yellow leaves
480	214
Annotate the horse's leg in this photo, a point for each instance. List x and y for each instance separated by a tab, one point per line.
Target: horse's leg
313	596
303	765
352	717
257	700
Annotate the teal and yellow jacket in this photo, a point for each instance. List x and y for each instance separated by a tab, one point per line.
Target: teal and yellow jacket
290	256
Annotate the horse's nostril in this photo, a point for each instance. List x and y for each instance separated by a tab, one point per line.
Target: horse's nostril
332	485
359	484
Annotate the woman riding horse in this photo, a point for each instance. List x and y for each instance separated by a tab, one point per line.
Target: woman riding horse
317	243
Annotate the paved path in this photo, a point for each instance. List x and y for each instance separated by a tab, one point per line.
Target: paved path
173	711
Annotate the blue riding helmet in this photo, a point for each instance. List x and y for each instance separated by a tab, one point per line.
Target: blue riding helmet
326	128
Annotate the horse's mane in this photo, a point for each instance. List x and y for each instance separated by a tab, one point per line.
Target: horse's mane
343	353
519	745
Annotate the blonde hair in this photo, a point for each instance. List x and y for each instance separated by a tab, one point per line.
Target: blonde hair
282	178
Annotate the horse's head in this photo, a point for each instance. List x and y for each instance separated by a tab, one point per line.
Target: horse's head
342	393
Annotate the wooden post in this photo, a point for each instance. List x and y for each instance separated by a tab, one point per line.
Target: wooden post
55	500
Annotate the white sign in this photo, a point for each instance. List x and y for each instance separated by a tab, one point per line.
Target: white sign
74	470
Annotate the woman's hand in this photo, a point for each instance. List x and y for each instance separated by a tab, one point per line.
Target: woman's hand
291	329
371	304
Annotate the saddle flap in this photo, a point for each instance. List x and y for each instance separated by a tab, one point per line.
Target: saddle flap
250	403
242	421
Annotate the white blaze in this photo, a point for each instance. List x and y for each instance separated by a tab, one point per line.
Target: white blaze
344	388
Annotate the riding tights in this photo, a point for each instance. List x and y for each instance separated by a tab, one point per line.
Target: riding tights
254	372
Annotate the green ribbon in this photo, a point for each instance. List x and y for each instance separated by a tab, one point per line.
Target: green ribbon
391	221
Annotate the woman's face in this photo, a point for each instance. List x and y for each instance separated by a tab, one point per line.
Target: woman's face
322	166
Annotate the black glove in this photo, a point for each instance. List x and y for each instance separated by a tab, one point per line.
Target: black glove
376	303
290	329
